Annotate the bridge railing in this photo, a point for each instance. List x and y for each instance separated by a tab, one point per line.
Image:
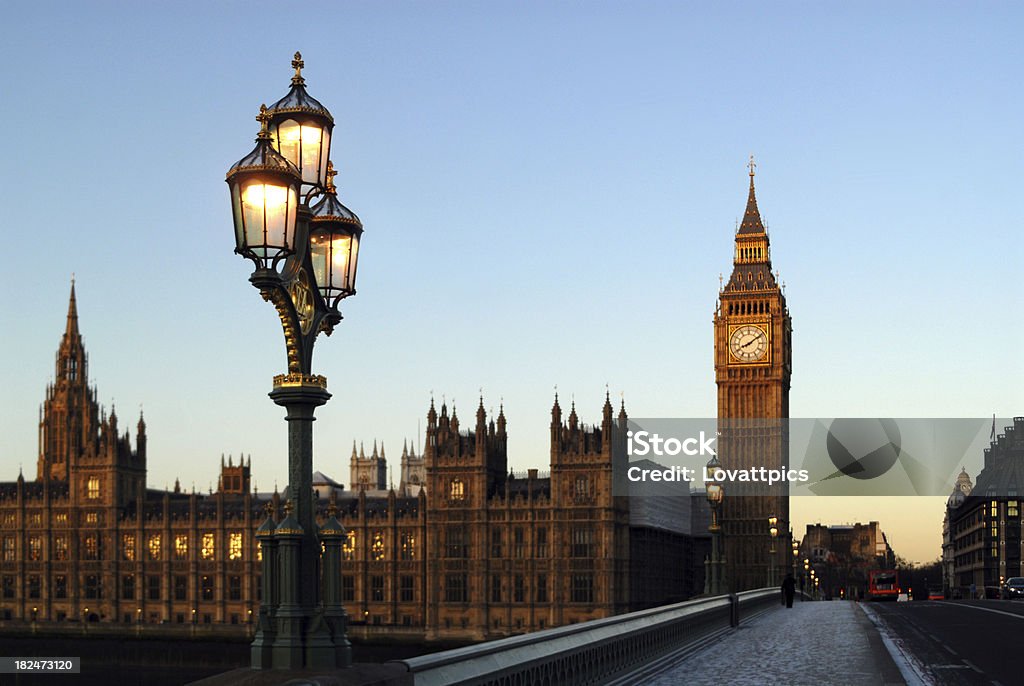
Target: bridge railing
594	652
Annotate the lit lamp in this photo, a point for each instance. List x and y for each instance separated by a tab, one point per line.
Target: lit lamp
264	202
714	578
773	529
334	244
302	131
305	245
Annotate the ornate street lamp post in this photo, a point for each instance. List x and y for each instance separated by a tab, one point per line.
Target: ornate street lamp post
714	576
773	529
796	556
304	244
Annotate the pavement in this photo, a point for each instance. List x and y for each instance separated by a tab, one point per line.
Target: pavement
813	643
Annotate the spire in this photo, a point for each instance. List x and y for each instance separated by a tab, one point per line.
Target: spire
751	217
71	330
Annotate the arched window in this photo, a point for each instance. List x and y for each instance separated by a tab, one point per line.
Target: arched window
92	488
457	490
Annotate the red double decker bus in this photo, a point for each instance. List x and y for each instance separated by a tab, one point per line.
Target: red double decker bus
883	584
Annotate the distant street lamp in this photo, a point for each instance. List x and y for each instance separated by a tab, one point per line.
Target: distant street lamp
304	245
796	560
773	529
714	577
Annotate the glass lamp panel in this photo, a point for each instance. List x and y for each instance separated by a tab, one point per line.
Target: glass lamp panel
318	247
341	251
331	255
236	210
268	212
289	140
353	262
325	155
310	144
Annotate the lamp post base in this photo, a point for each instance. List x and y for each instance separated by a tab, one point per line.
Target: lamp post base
295	634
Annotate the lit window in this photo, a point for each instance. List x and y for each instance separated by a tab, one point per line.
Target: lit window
8	553
457	491
128	547
235	545
92	547
1012	509
378	546
92	488
35	548
206	550
62	517
9	519
348	548
60	548
181	547
408	546
35	519
154	547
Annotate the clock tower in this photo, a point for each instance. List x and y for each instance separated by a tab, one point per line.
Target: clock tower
753	364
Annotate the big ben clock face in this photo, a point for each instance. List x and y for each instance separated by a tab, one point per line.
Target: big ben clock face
748	343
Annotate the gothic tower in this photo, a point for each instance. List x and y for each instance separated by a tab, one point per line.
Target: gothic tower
78	442
464	471
70	415
753	364
368	472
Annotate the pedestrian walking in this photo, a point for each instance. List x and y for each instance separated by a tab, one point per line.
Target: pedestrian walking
789	589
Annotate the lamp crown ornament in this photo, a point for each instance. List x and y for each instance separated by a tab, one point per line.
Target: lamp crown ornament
297	65
264	119
331	173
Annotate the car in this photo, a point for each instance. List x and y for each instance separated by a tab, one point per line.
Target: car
1014	588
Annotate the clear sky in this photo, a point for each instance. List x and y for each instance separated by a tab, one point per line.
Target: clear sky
549	192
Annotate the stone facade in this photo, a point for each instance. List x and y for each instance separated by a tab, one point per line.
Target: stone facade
462	549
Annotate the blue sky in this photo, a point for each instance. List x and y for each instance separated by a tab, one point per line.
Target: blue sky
549	192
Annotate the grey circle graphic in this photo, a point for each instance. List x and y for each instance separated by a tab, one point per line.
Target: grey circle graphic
863	448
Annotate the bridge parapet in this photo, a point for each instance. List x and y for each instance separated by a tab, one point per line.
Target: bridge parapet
594	652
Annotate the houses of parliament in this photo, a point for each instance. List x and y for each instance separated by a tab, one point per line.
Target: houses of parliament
462	548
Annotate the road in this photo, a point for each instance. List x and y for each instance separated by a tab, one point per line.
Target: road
962	642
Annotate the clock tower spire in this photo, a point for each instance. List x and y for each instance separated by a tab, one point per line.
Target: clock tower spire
753	365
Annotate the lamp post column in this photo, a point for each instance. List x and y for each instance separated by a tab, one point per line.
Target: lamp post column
302	640
300	397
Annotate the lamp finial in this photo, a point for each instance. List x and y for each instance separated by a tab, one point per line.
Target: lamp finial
298	64
264	119
331	173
